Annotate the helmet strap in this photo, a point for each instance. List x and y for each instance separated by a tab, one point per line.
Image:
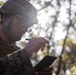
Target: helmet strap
6	28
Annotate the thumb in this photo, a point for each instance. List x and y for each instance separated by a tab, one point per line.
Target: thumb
42	48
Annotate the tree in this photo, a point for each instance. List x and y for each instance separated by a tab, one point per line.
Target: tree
57	23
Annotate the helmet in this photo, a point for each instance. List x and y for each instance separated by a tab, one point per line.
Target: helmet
22	7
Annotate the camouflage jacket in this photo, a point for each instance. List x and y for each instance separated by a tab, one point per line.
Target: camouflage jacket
14	61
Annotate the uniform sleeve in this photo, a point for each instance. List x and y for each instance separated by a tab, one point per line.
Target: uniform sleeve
17	63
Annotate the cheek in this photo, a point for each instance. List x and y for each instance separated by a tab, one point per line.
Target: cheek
16	27
23	29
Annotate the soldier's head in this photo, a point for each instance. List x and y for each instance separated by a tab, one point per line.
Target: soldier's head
16	17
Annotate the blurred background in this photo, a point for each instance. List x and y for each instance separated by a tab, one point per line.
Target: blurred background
57	23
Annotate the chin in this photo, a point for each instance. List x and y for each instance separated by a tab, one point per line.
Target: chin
17	39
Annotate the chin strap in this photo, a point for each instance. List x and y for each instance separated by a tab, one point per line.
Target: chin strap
6	28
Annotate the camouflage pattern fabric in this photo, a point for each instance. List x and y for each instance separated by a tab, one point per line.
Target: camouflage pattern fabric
6	48
16	63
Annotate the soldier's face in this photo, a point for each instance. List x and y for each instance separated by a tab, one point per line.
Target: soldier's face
17	27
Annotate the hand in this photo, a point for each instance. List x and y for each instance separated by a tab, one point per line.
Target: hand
46	71
35	44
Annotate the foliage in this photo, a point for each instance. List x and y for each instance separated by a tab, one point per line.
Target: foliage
1	3
57	23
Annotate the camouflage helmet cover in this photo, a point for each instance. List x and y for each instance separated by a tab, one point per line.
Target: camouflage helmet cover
22	7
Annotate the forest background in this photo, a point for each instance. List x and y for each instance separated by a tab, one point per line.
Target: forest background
57	23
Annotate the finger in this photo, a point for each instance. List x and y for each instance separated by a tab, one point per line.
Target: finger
42	48
48	69
41	45
43	39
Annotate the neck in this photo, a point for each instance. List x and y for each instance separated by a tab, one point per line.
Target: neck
3	36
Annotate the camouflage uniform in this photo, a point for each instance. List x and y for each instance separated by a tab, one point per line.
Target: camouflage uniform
16	63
